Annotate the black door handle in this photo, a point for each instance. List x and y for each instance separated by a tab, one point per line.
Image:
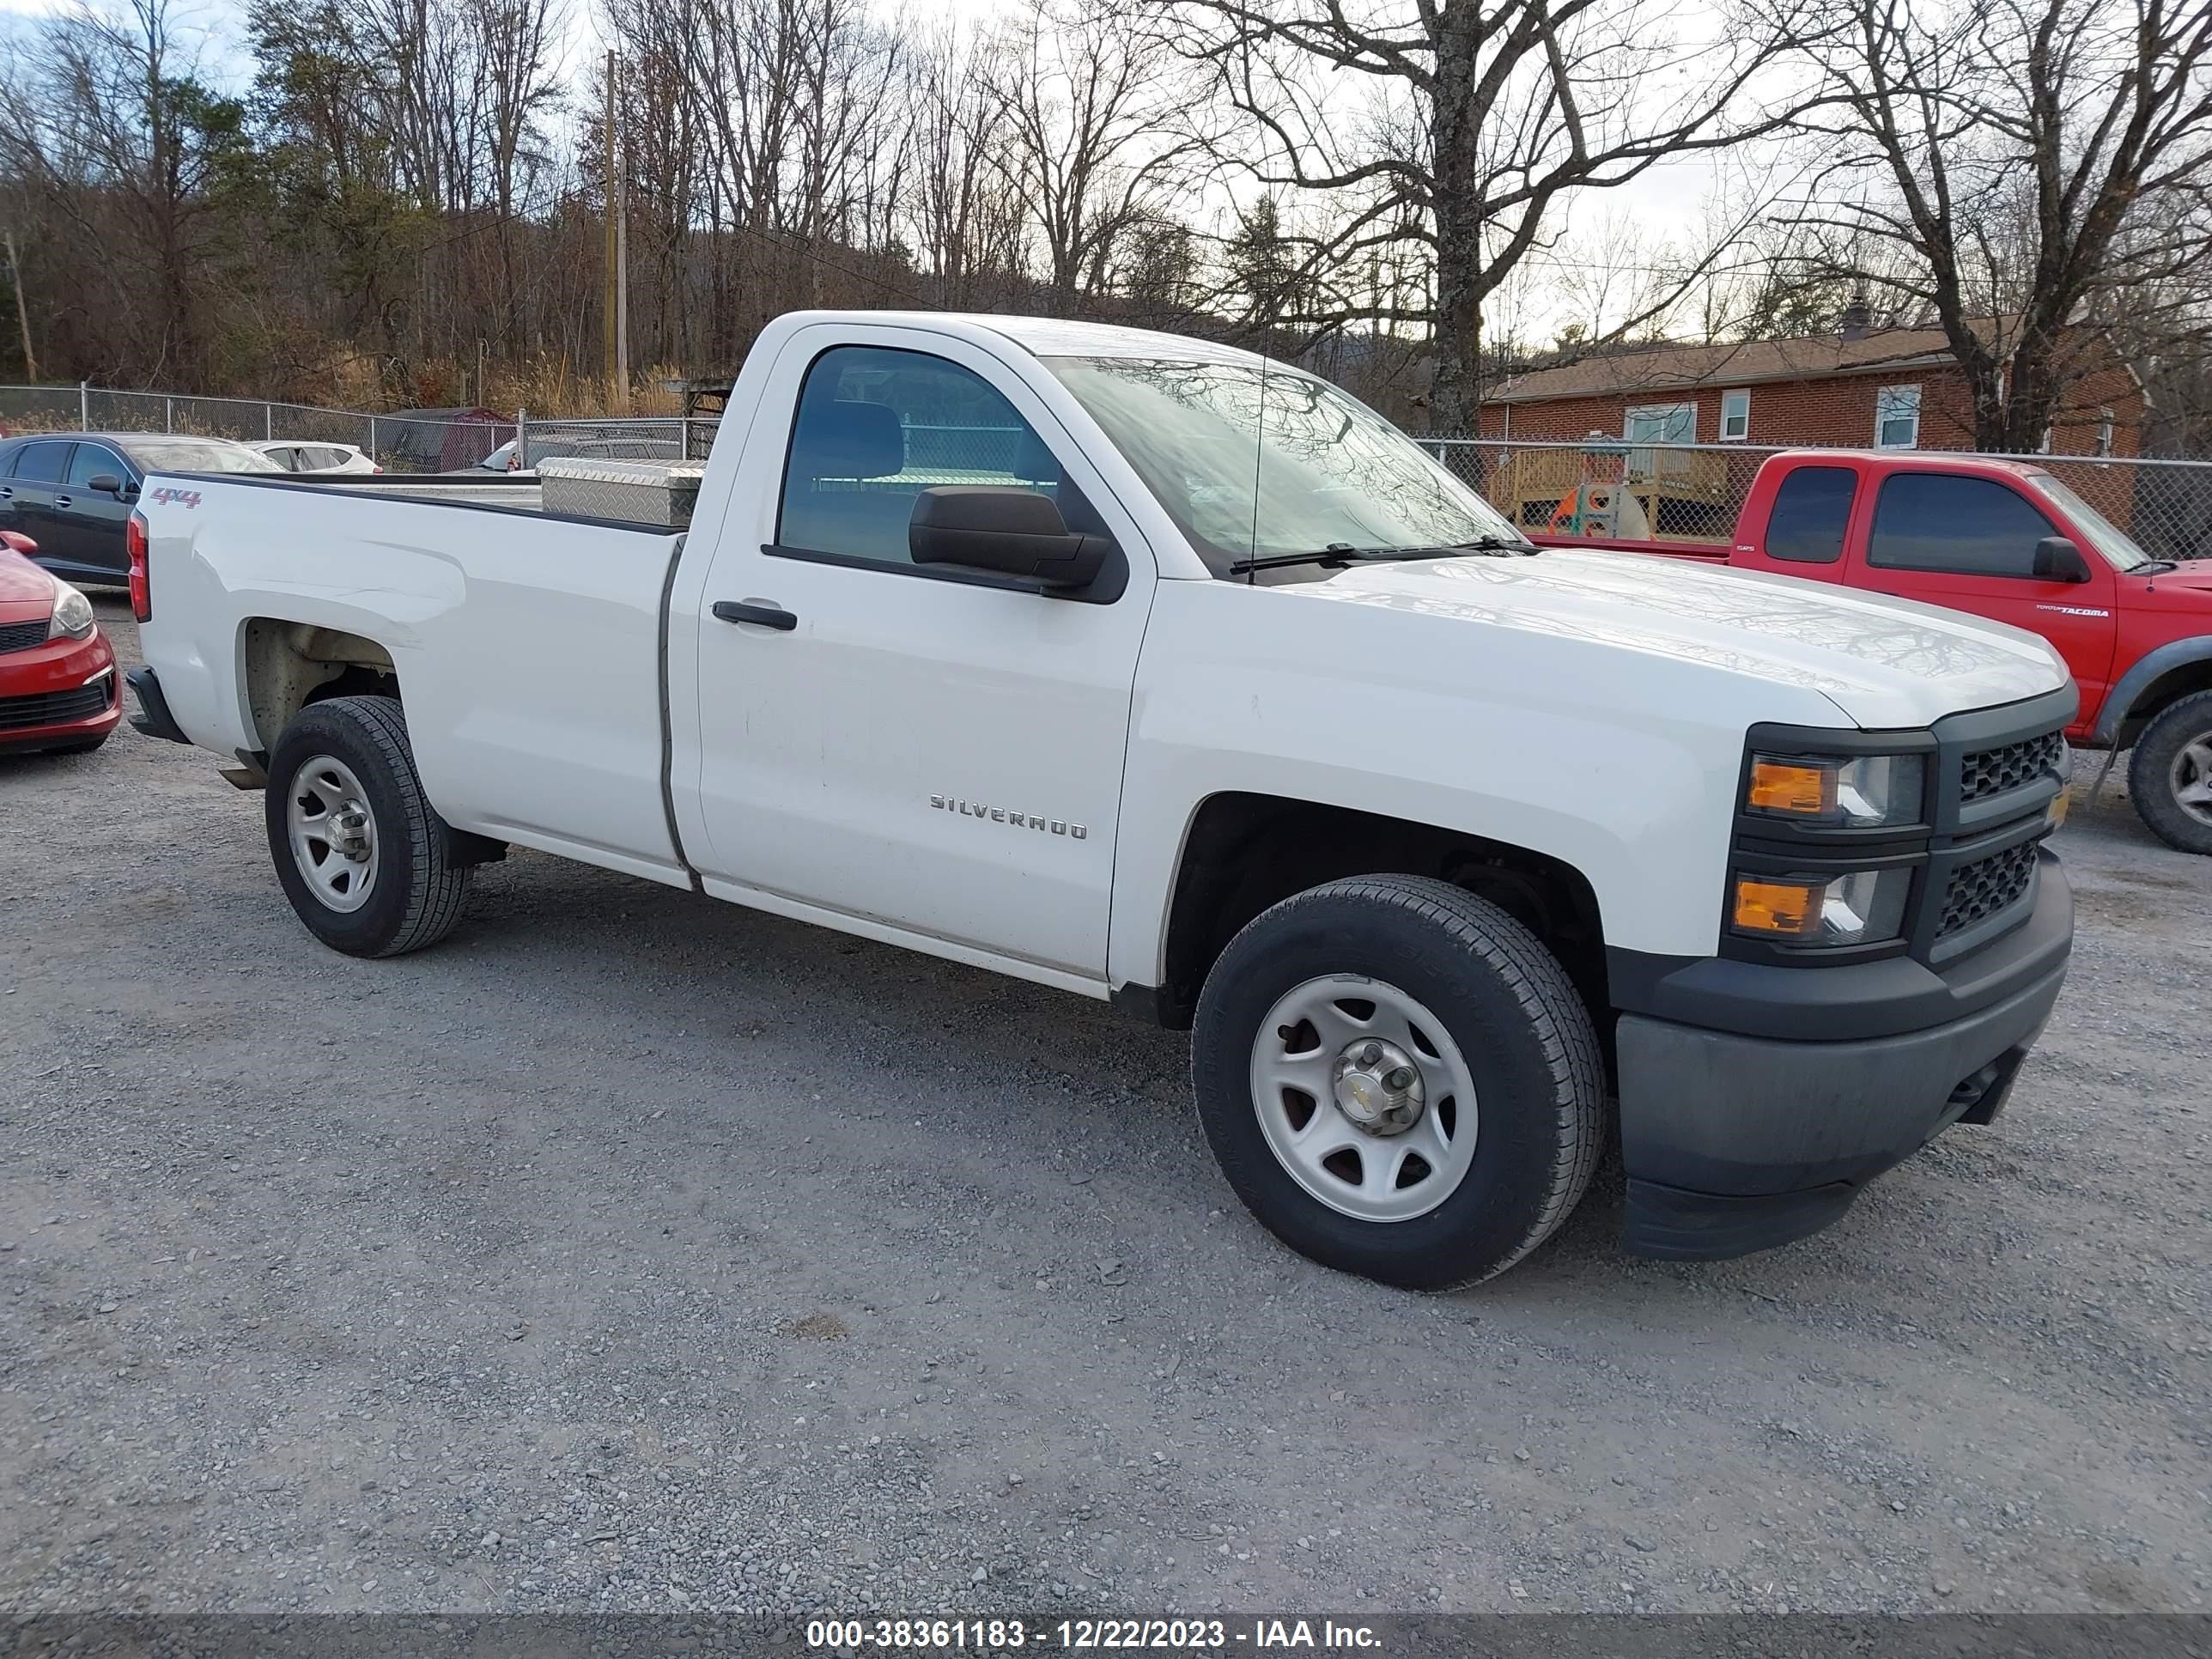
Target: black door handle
61	500
761	615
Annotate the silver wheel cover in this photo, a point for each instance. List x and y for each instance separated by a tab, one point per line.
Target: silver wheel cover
1363	1097
333	834
2190	778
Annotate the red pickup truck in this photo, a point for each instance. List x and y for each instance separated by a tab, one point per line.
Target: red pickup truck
2006	540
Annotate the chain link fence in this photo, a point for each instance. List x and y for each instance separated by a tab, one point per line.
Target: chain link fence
1695	492
407	440
1665	492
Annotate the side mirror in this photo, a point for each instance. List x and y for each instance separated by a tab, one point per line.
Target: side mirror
1014	532
2057	560
105	484
19	542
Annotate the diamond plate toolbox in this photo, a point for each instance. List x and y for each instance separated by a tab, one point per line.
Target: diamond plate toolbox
635	492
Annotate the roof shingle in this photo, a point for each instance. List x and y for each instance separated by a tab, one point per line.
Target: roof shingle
1670	369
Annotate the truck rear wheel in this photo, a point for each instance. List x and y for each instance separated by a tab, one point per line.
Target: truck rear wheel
1398	1080
365	860
2170	775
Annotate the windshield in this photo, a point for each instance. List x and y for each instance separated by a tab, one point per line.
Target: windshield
198	455
1253	465
2114	543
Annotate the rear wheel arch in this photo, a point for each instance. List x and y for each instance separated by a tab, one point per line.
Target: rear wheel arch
285	665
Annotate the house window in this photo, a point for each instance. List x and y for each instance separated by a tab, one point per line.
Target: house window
1897	416
2104	432
1661	423
1735	417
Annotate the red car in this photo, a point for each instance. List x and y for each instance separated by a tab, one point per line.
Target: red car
2005	539
57	679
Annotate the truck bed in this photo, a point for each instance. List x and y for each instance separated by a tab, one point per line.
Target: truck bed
487	490
533	662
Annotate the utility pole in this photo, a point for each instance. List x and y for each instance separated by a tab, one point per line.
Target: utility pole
622	296
617	286
23	313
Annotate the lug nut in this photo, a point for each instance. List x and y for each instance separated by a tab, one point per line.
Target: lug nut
1370	1053
1401	1079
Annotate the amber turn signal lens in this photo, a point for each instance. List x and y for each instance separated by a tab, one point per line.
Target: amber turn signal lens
1786	909
1792	786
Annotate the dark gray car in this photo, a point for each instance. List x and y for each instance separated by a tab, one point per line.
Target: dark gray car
72	492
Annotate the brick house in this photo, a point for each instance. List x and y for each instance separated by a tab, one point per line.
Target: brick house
1858	389
1888	388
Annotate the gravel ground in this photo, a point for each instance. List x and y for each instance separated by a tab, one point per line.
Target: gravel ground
633	1251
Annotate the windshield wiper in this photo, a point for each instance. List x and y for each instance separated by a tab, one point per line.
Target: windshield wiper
2153	568
1494	545
1340	553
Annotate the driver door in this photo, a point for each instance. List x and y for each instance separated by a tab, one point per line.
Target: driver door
91	524
925	748
1968	544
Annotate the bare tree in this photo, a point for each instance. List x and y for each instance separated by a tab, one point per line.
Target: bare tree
846	67
513	40
127	149
967	219
2016	168
1095	106
1479	121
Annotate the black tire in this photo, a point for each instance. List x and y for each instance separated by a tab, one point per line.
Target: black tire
416	896
1504	999
2151	768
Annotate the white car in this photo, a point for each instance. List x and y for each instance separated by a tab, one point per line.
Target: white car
312	455
555	447
1155	672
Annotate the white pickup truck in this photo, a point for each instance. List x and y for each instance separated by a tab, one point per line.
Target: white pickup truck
1151	670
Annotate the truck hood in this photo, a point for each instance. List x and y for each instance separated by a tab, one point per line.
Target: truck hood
2186	588
1885	663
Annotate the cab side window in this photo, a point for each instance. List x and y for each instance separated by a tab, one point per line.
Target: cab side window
1961	526
876	427
91	460
1812	510
43	462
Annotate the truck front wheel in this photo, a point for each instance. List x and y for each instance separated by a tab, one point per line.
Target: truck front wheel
364	859
2170	775
1398	1080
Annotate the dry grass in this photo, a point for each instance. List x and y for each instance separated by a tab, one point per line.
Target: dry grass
550	388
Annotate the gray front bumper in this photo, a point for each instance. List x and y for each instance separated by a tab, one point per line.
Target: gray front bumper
1736	1143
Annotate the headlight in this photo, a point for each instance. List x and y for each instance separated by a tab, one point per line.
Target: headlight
73	617
1872	791
1866	907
